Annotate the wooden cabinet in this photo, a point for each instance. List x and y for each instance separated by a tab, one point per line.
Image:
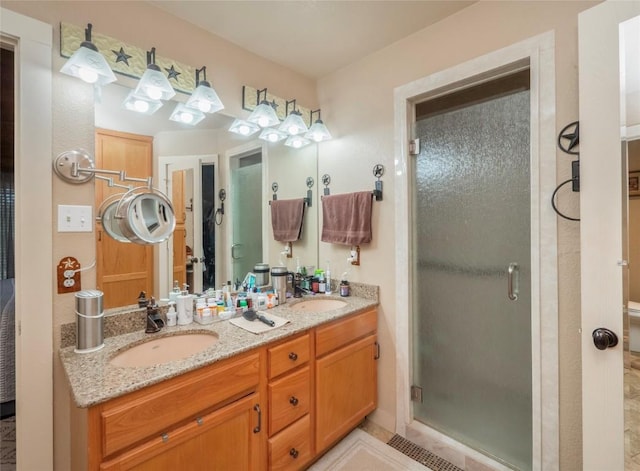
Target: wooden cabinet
290	386
346	376
209	414
225	439
278	406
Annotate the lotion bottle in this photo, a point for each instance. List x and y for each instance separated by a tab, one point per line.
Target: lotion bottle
171	314
185	307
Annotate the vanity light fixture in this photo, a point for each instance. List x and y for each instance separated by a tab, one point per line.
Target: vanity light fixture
88	64
186	115
264	115
204	97
318	132
297	141
243	127
153	83
141	104
272	135
293	123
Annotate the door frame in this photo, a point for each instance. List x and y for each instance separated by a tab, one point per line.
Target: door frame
34	314
601	237
539	54
235	153
165	249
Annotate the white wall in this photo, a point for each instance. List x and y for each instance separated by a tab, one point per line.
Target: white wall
357	106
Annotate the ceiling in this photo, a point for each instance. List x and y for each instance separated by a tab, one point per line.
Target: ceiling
312	37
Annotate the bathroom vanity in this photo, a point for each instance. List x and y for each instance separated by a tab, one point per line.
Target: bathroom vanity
273	401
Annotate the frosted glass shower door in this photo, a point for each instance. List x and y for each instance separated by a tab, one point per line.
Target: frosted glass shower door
471	342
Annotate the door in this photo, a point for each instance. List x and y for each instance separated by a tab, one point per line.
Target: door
472	268
184	179
246	213
601	231
123	269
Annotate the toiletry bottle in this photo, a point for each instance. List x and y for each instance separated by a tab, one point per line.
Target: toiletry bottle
172	315
175	292
321	283
327	277
344	288
185	307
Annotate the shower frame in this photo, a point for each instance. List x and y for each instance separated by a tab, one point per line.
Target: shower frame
537	54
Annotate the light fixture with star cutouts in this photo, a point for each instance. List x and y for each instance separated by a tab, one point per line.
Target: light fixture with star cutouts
88	64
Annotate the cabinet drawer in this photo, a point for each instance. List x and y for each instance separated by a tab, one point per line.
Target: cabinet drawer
128	420
291	448
288	355
345	331
288	399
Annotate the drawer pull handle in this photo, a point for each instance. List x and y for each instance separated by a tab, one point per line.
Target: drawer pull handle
293	452
165	437
293	356
199	421
259	426
293	401
377	355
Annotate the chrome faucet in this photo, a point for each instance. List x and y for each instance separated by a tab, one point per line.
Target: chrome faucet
154	321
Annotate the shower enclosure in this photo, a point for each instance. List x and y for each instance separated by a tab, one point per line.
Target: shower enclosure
471	237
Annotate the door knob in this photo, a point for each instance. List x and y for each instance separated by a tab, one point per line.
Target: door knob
604	338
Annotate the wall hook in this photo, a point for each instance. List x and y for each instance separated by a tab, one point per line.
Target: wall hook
378	171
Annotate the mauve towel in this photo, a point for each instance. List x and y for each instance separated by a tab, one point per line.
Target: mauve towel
346	219
286	219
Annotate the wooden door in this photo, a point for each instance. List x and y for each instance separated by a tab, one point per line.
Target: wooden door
222	440
346	390
123	269
180	233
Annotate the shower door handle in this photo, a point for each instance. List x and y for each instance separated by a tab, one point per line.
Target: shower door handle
513	281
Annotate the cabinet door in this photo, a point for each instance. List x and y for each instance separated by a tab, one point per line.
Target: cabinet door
346	390
227	439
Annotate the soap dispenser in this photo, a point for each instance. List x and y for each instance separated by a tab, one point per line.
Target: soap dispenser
173	294
172	315
185	307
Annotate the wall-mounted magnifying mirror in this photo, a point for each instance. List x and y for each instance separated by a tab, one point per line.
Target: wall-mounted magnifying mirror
145	216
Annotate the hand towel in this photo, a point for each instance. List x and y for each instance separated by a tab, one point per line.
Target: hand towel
346	219
286	219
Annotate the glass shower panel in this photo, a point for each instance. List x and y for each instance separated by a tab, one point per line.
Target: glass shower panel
471	343
246	184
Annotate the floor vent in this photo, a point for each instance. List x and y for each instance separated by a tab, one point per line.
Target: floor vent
421	455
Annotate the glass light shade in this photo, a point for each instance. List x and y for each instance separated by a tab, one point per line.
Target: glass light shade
186	115
318	132
293	124
243	127
264	115
297	142
205	99
154	85
141	104
272	135
89	65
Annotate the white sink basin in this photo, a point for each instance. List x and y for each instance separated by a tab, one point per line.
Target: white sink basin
318	305
164	350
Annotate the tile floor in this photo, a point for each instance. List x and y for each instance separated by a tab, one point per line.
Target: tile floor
632	416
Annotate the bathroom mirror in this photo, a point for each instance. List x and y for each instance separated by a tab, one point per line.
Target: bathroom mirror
174	144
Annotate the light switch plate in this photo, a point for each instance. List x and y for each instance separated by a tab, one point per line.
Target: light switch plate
75	218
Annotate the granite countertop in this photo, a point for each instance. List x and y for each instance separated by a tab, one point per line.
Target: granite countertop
94	380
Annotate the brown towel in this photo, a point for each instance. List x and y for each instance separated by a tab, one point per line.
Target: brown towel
286	219
346	219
